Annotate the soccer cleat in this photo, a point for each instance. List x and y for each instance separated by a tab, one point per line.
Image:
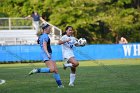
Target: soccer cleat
2	82
33	71
64	67
61	86
71	84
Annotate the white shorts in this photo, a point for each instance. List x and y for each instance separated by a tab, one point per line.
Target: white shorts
68	55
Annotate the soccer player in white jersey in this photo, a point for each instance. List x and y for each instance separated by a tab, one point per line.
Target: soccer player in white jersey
68	43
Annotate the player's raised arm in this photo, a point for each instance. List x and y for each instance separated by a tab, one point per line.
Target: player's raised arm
63	41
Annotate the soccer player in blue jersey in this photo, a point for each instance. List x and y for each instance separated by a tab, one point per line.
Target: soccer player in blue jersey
44	42
68	42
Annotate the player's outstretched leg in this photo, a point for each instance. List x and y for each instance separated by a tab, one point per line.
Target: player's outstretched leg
39	70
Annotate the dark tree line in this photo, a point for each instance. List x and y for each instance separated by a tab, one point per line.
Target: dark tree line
99	21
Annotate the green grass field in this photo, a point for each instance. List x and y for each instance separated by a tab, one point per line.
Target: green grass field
110	76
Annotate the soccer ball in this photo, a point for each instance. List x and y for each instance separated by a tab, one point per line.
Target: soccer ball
82	41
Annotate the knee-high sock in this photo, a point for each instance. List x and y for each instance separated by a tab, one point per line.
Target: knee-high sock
57	78
72	77
43	70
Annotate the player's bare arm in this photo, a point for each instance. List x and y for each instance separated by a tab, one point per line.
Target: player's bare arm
62	42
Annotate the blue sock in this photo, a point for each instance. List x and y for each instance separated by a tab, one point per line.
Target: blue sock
57	78
44	70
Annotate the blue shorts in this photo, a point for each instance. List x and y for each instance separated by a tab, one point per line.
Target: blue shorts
45	57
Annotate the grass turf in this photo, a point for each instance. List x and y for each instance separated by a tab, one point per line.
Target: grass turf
104	76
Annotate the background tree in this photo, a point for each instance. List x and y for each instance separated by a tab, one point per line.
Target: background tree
99	21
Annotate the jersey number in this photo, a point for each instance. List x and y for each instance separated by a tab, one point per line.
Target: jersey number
71	46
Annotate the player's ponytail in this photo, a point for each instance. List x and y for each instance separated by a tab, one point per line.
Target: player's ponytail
64	33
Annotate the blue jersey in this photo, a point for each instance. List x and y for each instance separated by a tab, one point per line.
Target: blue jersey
45	38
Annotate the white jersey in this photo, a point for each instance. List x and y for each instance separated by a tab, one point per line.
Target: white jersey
67	48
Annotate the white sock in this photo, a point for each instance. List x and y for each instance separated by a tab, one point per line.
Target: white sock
68	65
72	78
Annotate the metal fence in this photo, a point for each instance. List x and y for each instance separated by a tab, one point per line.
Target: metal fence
23	24
15	23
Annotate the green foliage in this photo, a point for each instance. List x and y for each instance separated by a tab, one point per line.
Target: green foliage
99	21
